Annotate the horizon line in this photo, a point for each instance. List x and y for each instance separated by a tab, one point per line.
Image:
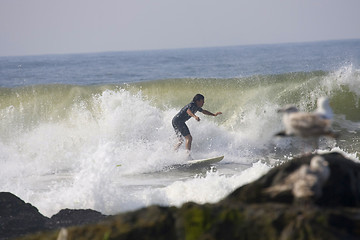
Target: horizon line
179	48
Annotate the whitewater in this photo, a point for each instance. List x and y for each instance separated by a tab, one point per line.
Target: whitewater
94	130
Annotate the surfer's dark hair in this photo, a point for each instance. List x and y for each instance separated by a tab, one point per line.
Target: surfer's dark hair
198	97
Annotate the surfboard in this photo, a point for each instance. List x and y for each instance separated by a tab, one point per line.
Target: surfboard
206	161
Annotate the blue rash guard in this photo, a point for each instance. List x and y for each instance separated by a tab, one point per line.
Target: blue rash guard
179	120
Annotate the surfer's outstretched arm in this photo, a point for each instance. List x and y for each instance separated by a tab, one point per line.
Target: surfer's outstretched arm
206	112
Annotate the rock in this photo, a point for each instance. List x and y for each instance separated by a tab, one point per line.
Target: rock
340	189
17	217
69	217
252	211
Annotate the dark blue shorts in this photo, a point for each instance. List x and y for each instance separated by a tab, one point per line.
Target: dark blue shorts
180	128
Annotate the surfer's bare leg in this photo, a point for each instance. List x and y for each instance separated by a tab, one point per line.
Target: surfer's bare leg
188	141
177	146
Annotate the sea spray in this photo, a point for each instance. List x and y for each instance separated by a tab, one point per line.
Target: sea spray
61	144
212	187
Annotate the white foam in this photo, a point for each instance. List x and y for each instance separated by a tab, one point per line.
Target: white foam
213	187
71	162
351	156
347	76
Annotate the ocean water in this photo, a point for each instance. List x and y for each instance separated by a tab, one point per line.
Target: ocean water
94	130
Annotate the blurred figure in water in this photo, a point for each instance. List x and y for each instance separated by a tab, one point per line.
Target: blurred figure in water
309	125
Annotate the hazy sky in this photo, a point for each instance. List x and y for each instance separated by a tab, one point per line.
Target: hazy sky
29	27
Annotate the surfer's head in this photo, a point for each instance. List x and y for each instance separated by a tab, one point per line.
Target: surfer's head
199	100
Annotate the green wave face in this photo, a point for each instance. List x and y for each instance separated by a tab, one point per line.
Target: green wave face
248	104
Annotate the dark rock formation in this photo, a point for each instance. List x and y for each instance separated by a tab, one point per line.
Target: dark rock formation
18	218
341	189
69	217
302	199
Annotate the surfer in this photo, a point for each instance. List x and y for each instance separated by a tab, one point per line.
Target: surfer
185	114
